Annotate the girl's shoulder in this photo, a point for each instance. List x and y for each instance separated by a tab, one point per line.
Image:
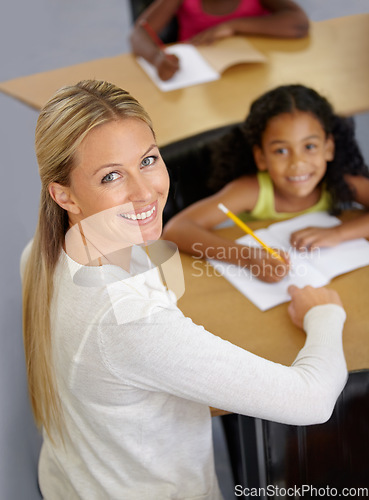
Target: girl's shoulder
356	180
359	184
246	182
252	183
245	190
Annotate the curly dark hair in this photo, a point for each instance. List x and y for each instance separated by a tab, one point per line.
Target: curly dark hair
231	156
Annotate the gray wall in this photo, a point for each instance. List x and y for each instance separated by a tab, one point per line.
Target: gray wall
34	36
39	36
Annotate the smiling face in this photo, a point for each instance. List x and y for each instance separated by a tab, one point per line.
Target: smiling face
119	179
295	151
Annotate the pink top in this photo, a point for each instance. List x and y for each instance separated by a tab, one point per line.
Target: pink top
192	19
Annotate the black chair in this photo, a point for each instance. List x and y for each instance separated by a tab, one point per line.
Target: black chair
169	33
189	165
334	454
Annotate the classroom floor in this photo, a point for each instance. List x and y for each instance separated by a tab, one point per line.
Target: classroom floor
39	36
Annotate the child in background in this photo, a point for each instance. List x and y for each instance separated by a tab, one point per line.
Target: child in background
296	156
204	21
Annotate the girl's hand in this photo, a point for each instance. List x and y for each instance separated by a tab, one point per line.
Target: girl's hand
305	298
267	268
166	65
311	238
208	36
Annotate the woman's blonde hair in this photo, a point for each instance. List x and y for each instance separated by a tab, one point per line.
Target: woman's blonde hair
63	123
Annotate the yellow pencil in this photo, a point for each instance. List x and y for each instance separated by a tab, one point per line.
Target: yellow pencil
248	230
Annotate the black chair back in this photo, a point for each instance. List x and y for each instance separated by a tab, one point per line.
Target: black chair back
189	165
334	454
169	34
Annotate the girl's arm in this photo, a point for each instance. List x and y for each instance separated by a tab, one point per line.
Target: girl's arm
157	15
192	228
314	237
286	19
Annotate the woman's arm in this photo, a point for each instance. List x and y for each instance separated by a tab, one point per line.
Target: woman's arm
314	237
157	15
192	230
286	19
171	354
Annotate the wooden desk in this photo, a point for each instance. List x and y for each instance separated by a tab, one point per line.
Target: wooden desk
333	59
213	302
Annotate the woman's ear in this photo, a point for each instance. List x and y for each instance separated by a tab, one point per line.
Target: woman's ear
329	148
259	158
62	196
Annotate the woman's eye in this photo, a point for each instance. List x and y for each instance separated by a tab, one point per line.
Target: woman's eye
112	176
149	160
310	146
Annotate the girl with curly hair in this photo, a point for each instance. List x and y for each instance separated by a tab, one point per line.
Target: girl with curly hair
292	155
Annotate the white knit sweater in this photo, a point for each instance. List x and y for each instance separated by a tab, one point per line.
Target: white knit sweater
136	378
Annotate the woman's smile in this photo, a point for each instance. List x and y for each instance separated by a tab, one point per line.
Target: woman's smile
142	216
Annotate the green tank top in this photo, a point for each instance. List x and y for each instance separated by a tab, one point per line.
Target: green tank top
264	208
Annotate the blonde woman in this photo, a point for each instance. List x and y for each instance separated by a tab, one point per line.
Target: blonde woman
120	381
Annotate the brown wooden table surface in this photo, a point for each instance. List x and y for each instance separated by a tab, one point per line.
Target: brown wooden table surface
334	59
213	302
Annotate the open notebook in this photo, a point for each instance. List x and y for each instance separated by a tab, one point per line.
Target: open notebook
315	268
204	63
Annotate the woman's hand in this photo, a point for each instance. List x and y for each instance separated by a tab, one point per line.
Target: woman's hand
305	298
265	267
166	65
311	238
